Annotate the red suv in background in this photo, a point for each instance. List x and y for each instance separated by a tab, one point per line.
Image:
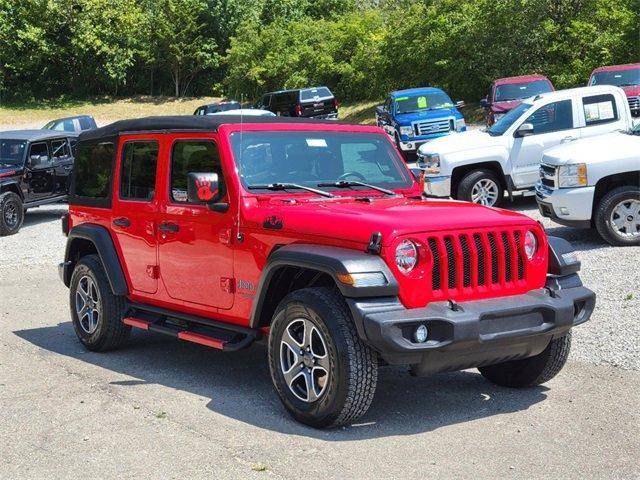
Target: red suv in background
315	237
626	77
508	93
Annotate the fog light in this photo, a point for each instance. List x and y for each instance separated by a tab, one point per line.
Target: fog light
564	210
420	334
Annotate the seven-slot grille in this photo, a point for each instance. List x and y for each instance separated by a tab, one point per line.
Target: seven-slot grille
634	103
433	126
476	260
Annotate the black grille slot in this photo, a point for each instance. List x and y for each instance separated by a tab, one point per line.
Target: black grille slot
519	254
466	264
494	258
451	262
435	271
480	249
507	256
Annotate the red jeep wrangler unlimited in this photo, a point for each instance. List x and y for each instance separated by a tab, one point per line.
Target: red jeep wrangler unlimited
316	237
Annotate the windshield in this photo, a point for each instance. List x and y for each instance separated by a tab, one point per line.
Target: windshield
222	107
518	91
619	78
313	157
12	152
425	101
505	122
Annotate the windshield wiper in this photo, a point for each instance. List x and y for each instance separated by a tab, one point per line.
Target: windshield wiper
289	186
355	183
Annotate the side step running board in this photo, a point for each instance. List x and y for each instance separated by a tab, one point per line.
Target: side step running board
228	341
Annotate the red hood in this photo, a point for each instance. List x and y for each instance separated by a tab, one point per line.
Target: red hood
502	107
356	221
631	90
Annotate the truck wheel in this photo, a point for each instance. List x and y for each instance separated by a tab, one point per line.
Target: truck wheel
324	374
531	371
96	312
617	217
11	213
481	186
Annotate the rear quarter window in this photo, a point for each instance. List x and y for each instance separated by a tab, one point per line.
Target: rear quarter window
92	174
311	93
599	109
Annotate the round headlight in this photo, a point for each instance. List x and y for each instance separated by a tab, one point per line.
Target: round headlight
406	256
530	244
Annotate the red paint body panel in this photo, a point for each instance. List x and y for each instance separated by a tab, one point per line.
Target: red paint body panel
201	339
195	262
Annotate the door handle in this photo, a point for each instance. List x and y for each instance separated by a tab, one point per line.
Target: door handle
122	222
169	227
567	139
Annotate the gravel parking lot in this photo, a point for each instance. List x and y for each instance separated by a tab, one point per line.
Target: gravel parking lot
162	408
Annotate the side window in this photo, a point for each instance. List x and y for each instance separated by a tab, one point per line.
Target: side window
59	149
92	172
138	170
85	123
68	126
387	104
192	156
553	117
599	109
39	149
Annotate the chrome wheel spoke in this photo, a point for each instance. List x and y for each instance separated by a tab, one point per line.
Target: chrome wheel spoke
88	307
625	218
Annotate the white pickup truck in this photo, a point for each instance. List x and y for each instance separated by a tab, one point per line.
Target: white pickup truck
479	166
595	182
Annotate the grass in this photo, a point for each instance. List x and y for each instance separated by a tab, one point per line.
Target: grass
105	110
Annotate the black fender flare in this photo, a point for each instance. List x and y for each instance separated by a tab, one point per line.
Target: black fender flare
10	186
561	264
326	259
99	236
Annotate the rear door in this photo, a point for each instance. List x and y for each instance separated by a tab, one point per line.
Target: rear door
553	124
62	165
194	243
135	210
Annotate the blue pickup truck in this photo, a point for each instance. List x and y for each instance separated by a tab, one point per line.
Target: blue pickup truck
415	116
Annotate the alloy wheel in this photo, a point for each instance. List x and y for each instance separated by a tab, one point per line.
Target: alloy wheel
485	192
625	218
304	360
11	215
88	305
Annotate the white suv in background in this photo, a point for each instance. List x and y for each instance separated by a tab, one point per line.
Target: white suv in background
479	166
595	183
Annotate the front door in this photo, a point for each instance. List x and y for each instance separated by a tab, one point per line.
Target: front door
553	124
39	175
196	259
135	212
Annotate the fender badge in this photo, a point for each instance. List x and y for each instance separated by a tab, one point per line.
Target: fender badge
273	223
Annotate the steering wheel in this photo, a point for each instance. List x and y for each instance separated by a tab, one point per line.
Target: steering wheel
346	175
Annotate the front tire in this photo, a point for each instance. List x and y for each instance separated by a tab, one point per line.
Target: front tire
482	187
531	371
323	373
96	312
11	213
617	217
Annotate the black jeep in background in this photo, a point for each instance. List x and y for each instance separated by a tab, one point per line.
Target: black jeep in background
317	102
35	168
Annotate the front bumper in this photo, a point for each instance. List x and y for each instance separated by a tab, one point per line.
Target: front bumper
412	145
439	186
474	333
566	206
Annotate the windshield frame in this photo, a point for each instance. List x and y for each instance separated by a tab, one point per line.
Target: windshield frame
442	106
408	186
592	80
20	161
527	94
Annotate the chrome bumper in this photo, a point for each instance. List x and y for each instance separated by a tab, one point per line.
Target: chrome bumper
437	186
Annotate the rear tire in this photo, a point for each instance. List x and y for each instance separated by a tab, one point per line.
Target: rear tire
11	213
531	371
621	205
481	186
346	391
96	312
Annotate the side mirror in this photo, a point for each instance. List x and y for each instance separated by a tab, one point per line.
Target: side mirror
205	187
36	161
484	103
380	109
524	130
460	104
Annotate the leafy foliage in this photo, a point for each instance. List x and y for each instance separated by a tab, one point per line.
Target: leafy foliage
359	48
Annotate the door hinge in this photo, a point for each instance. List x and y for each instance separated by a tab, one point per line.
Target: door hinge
153	271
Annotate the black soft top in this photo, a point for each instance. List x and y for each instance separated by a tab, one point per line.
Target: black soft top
183	123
